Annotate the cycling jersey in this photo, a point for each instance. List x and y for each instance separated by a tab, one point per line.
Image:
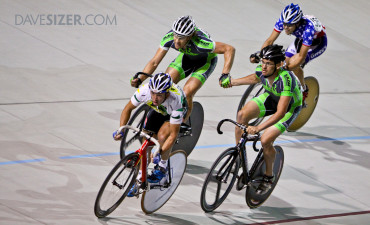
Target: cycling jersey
309	29
196	59
175	104
285	84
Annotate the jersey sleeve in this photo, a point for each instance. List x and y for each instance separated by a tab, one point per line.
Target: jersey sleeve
137	98
204	43
279	25
177	116
288	84
308	34
167	41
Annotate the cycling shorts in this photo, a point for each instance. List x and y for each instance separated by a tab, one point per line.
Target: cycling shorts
317	48
154	121
268	106
200	68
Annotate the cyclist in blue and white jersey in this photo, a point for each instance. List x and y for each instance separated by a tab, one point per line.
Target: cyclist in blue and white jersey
310	42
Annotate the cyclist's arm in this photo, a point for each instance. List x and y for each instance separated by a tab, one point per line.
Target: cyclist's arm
152	65
229	54
174	130
282	108
298	59
126	113
270	40
250	79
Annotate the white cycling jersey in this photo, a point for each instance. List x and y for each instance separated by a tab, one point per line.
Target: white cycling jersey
175	105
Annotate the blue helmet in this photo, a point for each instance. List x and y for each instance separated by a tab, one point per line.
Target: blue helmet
291	14
160	83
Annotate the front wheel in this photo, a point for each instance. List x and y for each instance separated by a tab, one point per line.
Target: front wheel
160	193
310	104
253	199
220	180
116	186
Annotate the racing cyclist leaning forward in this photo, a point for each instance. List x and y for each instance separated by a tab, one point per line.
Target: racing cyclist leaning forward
197	57
168	108
282	100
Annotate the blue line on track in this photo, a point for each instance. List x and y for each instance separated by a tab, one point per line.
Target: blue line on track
197	147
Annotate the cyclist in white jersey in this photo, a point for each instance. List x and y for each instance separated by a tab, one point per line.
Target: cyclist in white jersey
169	106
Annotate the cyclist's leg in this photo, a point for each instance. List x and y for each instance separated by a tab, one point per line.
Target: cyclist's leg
175	69
257	107
196	81
163	134
290	52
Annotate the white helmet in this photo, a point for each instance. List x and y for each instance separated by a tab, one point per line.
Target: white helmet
184	26
160	83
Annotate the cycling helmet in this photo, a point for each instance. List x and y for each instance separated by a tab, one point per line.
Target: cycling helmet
291	14
184	26
274	53
160	83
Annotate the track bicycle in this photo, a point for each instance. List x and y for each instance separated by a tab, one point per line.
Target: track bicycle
307	110
189	134
123	177
224	173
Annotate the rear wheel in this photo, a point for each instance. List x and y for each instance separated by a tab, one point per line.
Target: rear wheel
220	180
116	186
310	104
196	119
253	199
160	193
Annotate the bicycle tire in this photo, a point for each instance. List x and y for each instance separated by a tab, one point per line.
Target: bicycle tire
131	141
252	91
311	102
188	143
110	195
254	200
227	163
153	199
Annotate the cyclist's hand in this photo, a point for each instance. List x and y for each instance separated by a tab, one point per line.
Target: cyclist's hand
117	136
225	80
252	130
135	82
255	57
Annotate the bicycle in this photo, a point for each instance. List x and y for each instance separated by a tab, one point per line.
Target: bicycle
224	173
189	134
123	177
307	110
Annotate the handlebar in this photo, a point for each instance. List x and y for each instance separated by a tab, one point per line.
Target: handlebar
142	73
250	137
142	134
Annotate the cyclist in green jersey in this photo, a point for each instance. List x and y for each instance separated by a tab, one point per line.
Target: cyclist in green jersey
197	58
282	100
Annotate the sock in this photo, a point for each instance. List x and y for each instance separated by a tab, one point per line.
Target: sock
163	163
139	175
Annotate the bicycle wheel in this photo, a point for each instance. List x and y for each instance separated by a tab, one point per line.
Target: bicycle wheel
160	193
220	180
131	140
252	91
311	102
116	186
253	199
196	119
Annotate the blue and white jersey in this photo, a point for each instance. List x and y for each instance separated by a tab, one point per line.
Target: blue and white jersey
309	29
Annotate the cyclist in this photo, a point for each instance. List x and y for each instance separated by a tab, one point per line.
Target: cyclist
197	57
168	107
310	42
282	100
